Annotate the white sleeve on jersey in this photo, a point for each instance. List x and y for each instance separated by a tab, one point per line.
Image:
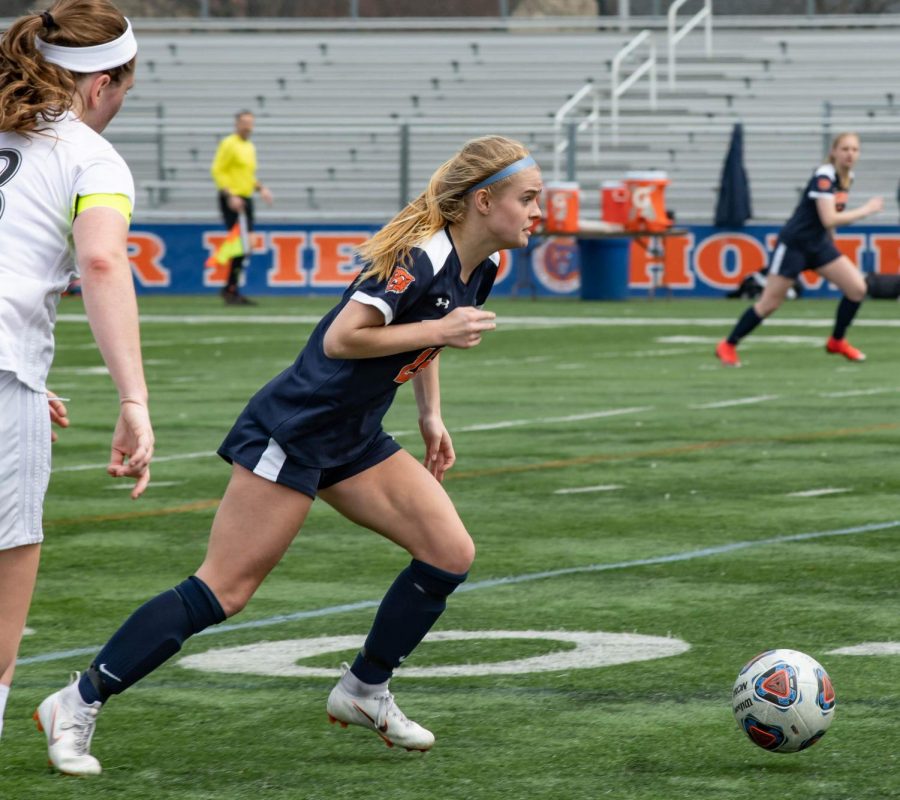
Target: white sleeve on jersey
105	172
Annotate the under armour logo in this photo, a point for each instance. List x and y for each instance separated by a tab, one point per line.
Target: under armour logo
442	302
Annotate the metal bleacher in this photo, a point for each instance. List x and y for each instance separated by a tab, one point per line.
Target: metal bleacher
331	104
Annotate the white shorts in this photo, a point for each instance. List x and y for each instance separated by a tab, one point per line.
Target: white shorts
24	462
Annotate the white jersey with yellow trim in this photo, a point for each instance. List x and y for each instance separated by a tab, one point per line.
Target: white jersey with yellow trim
41	177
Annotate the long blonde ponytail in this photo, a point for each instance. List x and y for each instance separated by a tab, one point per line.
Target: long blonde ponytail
444	202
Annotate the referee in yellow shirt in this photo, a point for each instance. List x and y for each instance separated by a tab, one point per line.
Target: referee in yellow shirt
234	171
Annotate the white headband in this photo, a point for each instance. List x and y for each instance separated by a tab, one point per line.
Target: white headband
91	59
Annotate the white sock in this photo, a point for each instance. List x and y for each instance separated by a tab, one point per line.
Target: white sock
359	689
4	693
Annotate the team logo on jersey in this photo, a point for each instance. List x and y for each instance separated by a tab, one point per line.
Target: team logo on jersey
399	281
442	302
823	183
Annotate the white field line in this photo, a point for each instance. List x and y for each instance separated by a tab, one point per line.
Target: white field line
156	460
688	322
490	583
868	649
102	370
489	426
740	401
606	487
817	492
214	319
858	392
146	343
661	353
493	362
516	423
536	322
151	485
81	371
755	339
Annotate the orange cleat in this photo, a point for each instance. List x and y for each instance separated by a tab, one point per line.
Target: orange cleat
727	354
841	347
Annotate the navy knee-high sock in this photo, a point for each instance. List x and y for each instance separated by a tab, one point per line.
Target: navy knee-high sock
846	311
747	322
411	606
149	637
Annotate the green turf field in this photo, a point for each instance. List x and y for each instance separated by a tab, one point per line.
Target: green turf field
676	457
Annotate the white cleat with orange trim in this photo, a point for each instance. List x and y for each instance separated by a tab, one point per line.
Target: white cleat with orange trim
69	724
379	713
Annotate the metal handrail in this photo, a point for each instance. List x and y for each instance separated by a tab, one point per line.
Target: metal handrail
617	89
561	142
624	14
675	37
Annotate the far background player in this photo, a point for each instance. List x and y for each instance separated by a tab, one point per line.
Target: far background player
807	242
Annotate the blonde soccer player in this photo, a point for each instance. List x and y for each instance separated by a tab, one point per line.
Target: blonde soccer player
316	430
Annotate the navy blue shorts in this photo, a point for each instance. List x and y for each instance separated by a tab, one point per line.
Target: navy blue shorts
253	448
789	261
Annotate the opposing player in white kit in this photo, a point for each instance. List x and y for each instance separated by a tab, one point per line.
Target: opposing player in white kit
65	200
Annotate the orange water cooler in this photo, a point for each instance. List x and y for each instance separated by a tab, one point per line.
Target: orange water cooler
647	211
615	202
561	207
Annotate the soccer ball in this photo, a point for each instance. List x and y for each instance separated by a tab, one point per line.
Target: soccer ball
783	700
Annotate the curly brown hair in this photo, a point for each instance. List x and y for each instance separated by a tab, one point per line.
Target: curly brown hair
34	91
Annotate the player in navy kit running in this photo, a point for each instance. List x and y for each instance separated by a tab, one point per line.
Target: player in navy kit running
316	429
806	242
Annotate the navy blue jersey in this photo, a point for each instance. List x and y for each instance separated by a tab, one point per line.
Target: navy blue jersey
323	411
805	229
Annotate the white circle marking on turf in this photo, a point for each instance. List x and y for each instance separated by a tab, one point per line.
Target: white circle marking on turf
592	649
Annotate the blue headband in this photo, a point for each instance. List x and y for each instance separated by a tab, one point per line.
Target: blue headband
512	169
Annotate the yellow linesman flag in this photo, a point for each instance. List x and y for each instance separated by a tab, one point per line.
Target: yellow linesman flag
235	244
232	247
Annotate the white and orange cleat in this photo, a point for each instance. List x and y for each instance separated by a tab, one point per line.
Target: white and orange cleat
727	354
841	347
377	712
69	724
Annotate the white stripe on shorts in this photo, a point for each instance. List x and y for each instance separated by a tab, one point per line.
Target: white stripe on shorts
24	462
271	462
777	258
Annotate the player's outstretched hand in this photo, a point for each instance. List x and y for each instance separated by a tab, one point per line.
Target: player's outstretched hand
59	414
132	446
875	205
463	326
439	455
